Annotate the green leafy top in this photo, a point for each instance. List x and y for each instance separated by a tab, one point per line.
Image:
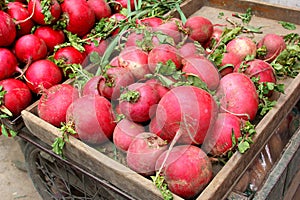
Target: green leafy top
248	131
159	182
3	109
131	96
4	114
263	90
170	77
46	10
287	63
287	25
246	17
59	142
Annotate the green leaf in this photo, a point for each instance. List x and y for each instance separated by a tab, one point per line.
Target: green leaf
46	10
197	82
243	146
131	96
94	57
181	14
3	130
159	182
58	145
221	14
233	139
246	17
287	25
8	132
13	133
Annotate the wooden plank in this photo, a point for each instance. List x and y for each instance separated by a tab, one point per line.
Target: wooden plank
94	161
237	165
295	185
260	9
293	168
276	182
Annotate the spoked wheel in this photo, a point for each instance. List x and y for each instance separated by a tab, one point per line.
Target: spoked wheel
54	179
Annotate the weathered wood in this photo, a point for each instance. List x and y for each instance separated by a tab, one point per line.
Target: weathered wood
295	184
288	165
260	9
93	160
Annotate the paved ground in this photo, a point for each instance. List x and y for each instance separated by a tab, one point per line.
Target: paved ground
15	184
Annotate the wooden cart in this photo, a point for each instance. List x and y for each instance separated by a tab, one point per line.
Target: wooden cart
86	173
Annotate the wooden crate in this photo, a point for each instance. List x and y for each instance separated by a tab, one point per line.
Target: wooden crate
283	179
223	182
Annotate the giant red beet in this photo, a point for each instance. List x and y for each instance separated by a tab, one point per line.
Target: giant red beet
93	118
237	95
187	111
8	31
219	141
81	18
187	170
143	152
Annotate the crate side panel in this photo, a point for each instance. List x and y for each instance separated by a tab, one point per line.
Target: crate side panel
278	179
94	161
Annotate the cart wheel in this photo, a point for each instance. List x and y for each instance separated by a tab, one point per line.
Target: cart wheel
54	179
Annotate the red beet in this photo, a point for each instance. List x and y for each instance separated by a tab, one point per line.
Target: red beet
99	46
154	127
54	102
40	13
91	86
204	69
29	48
42	74
258	68
133	38
150	21
114	79
19	12
117	17
158	87
8	64
237	95
8	30
123	4
139	40
81	18
136	102
50	36
93	118
125	132
143	152
189	49
215	37
187	170
219	141
100	8
161	54
136	60
274	45
199	28
70	55
229	62
170	28
242	46
17	96
189	110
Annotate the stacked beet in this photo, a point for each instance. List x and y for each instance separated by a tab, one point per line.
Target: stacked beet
164	97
